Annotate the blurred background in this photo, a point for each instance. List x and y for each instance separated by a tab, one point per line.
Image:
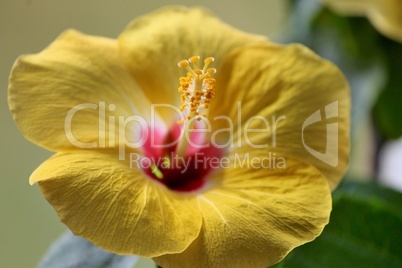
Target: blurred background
28	224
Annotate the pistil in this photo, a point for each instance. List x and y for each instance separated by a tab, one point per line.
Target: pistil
196	92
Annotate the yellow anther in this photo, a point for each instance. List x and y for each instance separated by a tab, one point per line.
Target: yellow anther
211	71
197	88
194	59
183	63
209	60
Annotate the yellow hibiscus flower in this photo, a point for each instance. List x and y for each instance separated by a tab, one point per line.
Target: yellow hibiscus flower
126	179
385	15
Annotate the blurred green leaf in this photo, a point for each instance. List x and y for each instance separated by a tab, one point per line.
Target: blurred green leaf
71	251
371	191
364	231
388	108
356	36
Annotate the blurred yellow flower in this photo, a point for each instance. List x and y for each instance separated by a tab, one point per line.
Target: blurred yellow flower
110	109
386	15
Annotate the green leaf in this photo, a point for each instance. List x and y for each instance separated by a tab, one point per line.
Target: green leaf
388	108
371	191
355	37
364	231
72	251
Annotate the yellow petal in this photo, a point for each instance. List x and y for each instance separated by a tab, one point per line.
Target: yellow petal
255	216
116	207
78	71
286	99
386	15
152	46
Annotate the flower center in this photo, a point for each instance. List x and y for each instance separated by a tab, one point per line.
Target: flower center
196	89
184	165
180	173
